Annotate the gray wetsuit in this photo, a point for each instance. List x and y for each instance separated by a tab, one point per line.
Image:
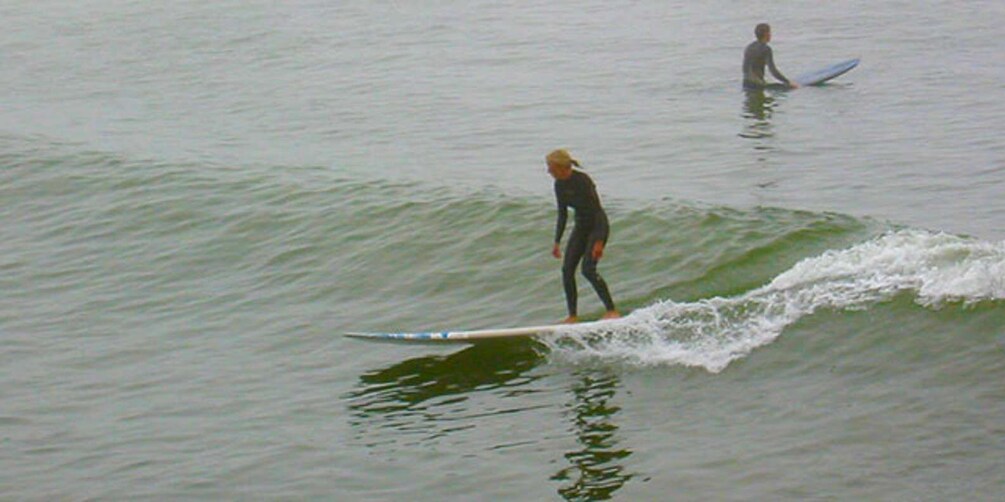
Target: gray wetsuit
755	57
579	192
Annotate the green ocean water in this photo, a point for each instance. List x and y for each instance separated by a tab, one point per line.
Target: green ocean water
199	200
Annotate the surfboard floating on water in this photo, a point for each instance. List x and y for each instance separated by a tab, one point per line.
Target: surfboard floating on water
824	74
818	77
474	336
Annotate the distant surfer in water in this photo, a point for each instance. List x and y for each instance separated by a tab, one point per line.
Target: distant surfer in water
574	188
756	56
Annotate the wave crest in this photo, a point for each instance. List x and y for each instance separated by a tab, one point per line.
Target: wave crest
711	333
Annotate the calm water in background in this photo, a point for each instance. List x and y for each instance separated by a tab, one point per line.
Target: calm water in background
199	199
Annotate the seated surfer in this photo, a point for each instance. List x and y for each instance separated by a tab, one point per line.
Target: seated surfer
756	56
574	188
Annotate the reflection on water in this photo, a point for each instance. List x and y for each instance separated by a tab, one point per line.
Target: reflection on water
596	472
415	394
758	108
425	397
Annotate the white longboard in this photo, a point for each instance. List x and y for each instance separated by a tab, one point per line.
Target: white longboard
473	336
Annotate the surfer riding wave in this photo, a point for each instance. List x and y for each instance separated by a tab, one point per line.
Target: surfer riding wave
574	188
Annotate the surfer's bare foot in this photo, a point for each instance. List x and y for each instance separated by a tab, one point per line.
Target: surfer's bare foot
611	314
570	320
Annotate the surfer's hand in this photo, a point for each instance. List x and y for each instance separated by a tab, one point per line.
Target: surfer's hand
598	250
793	84
556	252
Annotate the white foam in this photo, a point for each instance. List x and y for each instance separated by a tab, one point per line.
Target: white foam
711	333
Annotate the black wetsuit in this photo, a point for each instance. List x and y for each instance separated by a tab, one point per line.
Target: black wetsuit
579	192
755	57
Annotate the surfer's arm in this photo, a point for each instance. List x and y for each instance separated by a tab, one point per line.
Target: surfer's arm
598	236
601	227
776	73
563	217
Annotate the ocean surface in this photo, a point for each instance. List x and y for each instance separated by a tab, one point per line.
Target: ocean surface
199	198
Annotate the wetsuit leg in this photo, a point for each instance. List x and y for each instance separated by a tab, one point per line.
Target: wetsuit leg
574	251
591	274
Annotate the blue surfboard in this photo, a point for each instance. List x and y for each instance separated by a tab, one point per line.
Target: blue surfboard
824	74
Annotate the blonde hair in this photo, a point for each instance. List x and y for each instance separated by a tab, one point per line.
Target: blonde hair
562	158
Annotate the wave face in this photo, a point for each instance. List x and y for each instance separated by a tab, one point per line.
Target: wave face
96	234
937	269
147	306
97	243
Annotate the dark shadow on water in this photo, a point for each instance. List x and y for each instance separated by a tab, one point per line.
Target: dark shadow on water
758	107
411	384
423	398
758	110
596	469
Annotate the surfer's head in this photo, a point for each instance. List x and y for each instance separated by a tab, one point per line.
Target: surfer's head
560	164
763	32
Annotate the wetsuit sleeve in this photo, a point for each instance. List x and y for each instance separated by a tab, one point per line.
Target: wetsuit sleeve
563	216
600	225
774	69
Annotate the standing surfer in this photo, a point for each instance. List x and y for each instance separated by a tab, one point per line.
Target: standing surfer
756	56
574	188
